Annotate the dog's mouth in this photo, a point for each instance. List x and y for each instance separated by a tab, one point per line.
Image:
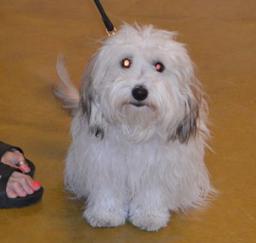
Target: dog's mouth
140	105
137	104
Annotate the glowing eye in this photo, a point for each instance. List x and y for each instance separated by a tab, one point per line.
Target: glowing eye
159	67
126	63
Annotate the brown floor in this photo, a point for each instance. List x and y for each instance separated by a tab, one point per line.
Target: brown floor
221	37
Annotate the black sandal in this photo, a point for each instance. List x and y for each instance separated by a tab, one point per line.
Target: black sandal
6	202
5	173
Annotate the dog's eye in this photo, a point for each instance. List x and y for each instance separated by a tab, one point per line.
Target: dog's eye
159	67
126	63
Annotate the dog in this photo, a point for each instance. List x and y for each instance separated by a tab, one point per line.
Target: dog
139	131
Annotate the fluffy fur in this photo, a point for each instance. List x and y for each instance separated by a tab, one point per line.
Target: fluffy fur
137	160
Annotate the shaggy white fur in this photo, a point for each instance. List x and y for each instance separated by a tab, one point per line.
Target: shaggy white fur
139	131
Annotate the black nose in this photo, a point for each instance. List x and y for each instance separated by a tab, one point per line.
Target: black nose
139	93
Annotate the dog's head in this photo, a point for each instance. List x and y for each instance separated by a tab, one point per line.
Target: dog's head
142	81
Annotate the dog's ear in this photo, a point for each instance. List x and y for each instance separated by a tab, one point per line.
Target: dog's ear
188	126
90	104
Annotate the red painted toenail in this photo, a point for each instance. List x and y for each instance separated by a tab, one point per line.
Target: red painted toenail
36	184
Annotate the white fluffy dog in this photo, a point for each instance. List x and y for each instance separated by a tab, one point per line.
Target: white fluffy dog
139	131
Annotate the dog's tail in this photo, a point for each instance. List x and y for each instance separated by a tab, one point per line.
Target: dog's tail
65	90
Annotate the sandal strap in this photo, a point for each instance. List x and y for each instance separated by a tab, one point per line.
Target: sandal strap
4	147
5	173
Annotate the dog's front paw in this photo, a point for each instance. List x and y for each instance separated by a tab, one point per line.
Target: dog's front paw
149	220
104	217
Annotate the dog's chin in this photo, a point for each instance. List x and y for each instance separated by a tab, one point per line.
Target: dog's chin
135	113
137	120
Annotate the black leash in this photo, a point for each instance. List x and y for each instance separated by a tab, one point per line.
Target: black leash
110	28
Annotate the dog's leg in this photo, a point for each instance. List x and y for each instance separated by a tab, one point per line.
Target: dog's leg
105	209
148	210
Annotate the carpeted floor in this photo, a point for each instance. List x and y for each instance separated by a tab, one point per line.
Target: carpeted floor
221	38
